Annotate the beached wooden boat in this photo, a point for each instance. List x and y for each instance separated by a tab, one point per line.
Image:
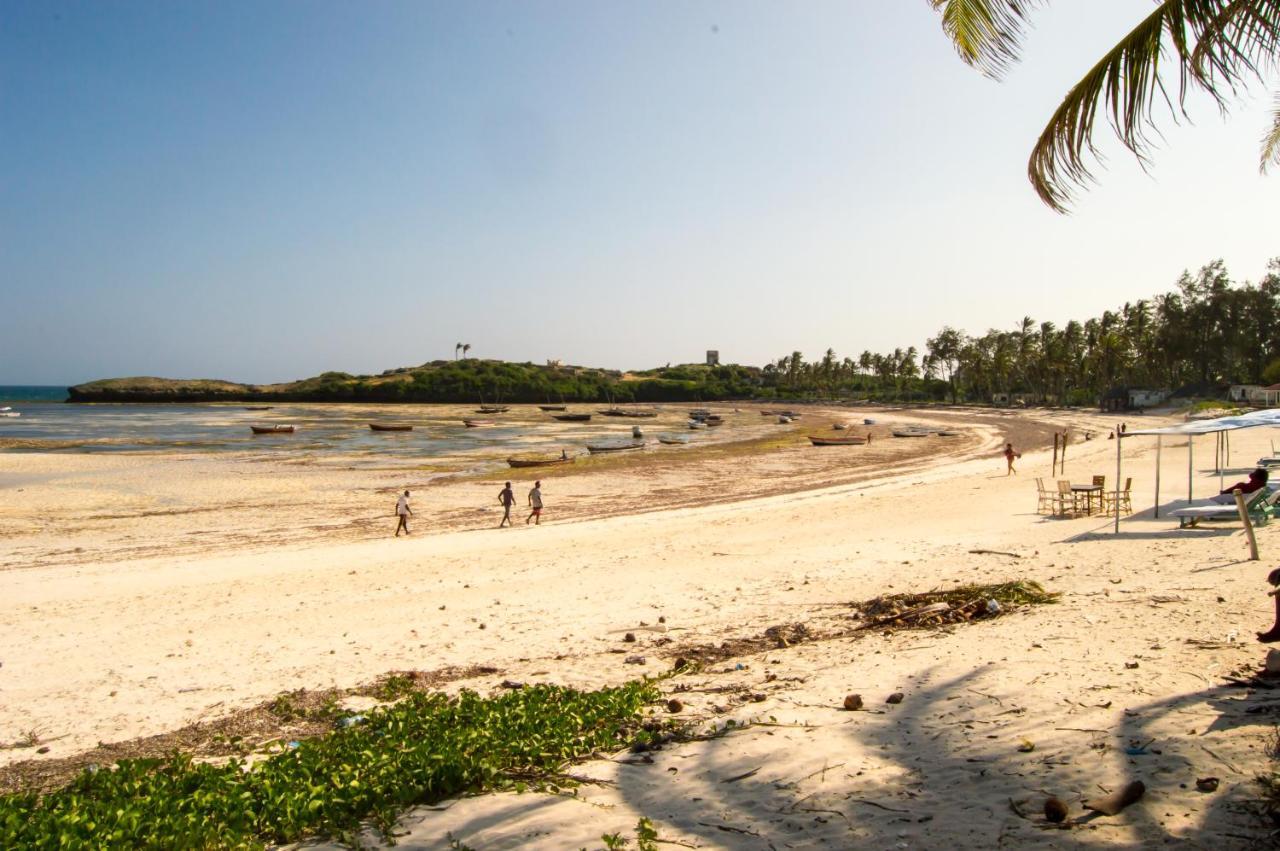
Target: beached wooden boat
619	412
572	418
952	433
537	462
697	424
840	426
868	422
911	432
477	423
767	413
836	441
275	429
674	441
783	419
257	407
596	449
713	423
389	427
492	409
552	407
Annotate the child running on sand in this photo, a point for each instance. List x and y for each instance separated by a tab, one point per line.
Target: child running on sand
506	498
535	502
1009	455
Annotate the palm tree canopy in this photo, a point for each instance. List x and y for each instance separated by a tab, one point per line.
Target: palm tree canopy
1218	46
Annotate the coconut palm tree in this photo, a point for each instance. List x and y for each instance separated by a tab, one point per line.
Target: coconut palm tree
1217	46
456	347
466	347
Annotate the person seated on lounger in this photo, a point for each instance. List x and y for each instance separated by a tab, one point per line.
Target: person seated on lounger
1257	481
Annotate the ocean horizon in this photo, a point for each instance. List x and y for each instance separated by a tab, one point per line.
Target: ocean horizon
10	393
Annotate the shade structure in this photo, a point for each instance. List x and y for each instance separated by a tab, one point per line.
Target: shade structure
1191	428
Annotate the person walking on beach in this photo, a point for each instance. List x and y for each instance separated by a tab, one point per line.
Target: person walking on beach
403	511
535	502
506	498
1009	456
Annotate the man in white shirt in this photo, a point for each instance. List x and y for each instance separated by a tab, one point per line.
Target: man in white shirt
403	511
535	502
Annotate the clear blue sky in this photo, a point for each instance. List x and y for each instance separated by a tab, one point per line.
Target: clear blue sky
262	191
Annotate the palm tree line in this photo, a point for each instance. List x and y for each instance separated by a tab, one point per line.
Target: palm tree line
1207	333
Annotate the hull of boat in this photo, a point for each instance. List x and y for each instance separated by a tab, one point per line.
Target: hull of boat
272	429
597	450
837	441
574	418
537	462
381	427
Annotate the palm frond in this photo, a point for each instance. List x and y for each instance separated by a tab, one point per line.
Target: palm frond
1235	40
1127	80
1219	46
1271	141
986	33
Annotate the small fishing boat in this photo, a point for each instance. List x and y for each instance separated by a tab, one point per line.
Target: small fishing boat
538	462
552	407
477	423
389	427
783	419
837	441
492	409
840	426
699	414
911	432
868	422
948	433
596	449
767	413
619	412
791	414
712	423
274	429
10	414
673	441
697	424
572	418
714	418
257	407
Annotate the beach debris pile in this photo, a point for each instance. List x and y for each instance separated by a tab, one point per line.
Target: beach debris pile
957	605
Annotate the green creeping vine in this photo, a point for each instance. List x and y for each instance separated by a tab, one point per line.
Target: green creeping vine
426	748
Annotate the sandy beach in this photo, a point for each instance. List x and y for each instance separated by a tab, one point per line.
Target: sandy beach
142	593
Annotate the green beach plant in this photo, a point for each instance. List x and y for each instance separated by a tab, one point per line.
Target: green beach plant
427	747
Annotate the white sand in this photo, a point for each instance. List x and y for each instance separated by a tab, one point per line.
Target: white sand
108	651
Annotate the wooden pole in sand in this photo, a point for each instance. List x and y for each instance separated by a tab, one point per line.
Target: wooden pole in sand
1248	526
1117	499
1222	452
1055	455
1064	453
1191	442
1159	438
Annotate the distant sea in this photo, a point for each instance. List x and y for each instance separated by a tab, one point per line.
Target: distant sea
10	393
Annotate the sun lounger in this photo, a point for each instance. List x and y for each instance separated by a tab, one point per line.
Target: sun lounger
1260	505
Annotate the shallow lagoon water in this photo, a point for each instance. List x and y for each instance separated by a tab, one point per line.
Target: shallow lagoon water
338	433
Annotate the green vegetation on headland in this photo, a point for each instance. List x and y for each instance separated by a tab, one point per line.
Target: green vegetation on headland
425	748
1208	333
465	381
